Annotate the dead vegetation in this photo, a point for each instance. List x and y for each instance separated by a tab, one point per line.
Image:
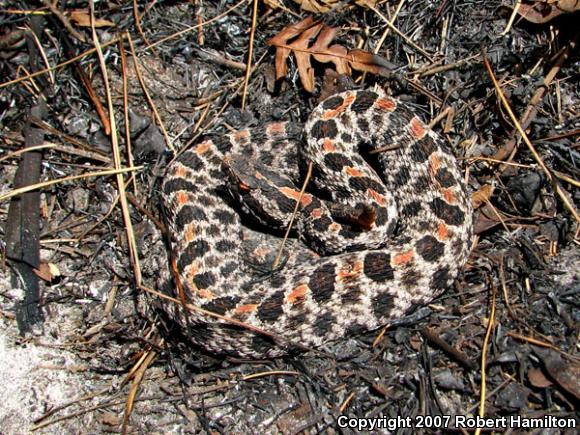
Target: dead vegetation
93	104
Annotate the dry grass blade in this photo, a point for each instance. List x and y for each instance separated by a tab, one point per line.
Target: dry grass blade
54	68
561	193
489	329
296	39
22	190
250	53
135	388
131	240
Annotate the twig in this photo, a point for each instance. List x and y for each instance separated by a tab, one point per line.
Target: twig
54	68
294	213
563	195
189	29
158	119
433	337
21	190
250	53
131	241
490	324
64	20
401	34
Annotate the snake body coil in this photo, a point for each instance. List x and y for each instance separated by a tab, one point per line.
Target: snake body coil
387	237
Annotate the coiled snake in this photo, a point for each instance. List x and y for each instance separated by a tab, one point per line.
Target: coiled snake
392	232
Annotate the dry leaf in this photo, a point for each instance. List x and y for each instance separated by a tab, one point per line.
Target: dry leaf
481	196
323	6
310	38
487	217
566	373
543	11
82	18
537	378
47	271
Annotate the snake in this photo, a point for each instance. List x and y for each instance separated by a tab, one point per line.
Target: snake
380	218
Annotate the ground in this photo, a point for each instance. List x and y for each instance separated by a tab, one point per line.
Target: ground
95	358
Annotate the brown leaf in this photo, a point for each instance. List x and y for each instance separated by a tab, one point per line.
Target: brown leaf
537	378
486	217
364	61
47	271
323	6
481	196
297	39
335	53
281	40
566	373
302	55
541	12
82	18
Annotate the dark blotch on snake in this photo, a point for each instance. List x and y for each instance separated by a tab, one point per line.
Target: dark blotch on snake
221	305
445	178
440	279
430	248
321	283
450	214
323	324
321	129
383	304
188	214
332	103
377	266
270	310
336	161
204	280
364	100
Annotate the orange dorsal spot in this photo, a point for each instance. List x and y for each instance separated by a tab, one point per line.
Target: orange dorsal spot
190	273
449	196
205	294
202	293
181	197
189	233
276	128
243	309
434	163
178	284
259	175
386	104
243	187
417	128
241	135
180	171
316	213
202	148
402	258
297	294
442	231
353	172
348	100
306	200
379	199
295	195
335	227
261	252
328	146
350	270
